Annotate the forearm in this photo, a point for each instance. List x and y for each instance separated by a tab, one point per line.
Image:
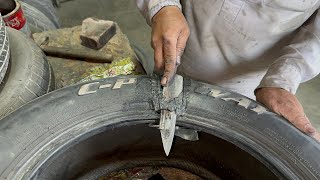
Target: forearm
300	61
149	8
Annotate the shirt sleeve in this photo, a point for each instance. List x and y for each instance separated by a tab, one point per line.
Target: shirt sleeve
300	61
149	8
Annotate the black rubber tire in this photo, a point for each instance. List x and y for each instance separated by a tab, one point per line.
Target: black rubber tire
47	8
56	3
37	21
5	50
38	135
29	75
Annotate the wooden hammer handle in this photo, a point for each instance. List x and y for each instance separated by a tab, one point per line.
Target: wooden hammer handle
78	54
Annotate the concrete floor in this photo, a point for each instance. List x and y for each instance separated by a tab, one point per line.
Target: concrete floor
125	13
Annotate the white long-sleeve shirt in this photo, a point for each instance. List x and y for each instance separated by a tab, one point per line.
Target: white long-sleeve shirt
245	44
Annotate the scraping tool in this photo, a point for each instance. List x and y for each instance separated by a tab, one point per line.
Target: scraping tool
168	118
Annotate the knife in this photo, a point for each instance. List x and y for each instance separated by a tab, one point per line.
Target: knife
168	118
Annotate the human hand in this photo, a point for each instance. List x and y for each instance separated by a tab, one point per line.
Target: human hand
287	105
170	33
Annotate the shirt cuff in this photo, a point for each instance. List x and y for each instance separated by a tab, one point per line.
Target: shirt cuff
283	76
154	9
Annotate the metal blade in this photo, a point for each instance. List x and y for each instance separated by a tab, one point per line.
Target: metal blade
167	133
174	88
168	118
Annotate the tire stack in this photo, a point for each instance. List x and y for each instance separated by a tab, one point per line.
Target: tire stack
5	50
40	15
25	73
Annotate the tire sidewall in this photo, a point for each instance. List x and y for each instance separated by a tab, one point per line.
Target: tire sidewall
96	105
29	76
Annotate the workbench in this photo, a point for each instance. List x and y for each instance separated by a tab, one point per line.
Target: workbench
70	71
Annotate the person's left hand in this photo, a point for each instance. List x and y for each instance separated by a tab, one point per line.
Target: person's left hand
287	105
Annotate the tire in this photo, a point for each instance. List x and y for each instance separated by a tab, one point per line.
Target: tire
37	21
5	50
56	3
29	75
99	127
47	8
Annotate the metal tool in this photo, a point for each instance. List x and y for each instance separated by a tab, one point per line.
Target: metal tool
79	54
168	118
74	53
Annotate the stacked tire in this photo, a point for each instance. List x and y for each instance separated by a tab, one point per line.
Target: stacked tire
25	73
5	50
40	15
29	74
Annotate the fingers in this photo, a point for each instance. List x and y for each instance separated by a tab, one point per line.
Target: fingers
158	55
316	136
170	58
165	54
292	110
300	121
297	117
181	44
173	50
287	105
170	32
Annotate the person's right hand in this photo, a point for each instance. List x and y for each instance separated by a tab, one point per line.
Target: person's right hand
170	33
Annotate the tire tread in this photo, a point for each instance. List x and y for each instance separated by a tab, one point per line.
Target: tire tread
38	82
4	50
36	20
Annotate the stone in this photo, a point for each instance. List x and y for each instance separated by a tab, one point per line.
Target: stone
96	33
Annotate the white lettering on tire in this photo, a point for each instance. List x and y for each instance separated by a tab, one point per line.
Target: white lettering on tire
94	86
241	101
88	88
121	82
